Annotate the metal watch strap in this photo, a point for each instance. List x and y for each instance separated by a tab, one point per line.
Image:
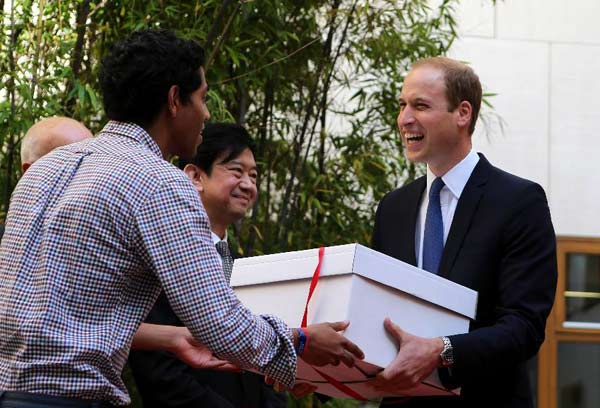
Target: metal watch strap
447	354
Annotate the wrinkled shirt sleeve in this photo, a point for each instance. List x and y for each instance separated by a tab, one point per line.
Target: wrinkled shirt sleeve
172	234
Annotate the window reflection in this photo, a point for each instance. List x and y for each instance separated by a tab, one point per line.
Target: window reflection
532	369
582	294
577	376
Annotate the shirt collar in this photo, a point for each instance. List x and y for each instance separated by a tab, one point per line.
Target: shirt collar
216	238
456	178
134	132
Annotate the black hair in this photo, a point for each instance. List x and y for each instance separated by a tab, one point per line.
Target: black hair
218	140
137	73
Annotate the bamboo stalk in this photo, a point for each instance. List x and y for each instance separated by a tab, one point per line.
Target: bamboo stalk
82	14
299	140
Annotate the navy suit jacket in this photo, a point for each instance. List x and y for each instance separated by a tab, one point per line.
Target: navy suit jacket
502	244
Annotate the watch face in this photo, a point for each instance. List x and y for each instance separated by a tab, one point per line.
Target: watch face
446	359
446	355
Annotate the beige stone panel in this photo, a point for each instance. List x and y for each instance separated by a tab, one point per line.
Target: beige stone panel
575	139
549	20
473	17
518	73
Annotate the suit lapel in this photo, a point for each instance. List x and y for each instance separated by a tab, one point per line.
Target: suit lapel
465	209
406	244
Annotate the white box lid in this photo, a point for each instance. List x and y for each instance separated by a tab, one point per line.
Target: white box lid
360	260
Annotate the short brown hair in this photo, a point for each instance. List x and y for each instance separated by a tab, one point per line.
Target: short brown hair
462	84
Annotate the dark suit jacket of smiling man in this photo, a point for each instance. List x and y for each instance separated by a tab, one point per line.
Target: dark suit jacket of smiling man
500	243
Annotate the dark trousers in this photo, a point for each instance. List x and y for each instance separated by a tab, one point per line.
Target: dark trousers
13	399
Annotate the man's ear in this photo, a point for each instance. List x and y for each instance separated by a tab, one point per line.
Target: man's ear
464	111
24	167
196	176
174	100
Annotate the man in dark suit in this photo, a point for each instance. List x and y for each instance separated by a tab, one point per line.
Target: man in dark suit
224	173
478	226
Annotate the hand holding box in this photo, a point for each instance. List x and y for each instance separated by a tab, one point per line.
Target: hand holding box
364	287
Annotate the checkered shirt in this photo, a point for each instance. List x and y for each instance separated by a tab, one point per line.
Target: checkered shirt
94	231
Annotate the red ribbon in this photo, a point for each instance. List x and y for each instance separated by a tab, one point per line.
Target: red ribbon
313	284
341	386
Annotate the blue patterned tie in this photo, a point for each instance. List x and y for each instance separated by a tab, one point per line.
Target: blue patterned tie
433	240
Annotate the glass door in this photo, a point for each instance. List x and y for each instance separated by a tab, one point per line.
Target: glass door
569	361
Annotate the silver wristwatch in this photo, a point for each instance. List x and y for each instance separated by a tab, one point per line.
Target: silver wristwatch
447	354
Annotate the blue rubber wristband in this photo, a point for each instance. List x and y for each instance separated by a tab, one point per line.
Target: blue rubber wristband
301	342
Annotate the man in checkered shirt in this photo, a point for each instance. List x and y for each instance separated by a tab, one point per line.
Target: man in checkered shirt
96	229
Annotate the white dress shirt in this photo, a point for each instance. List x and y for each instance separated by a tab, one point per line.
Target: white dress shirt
455	180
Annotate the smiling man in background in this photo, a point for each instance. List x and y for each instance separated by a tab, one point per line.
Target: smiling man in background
224	174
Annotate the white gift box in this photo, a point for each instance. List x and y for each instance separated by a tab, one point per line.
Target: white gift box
363	286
